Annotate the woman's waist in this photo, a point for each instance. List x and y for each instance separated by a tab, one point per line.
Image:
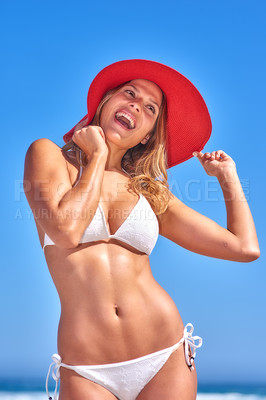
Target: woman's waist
107	305
116	331
113	297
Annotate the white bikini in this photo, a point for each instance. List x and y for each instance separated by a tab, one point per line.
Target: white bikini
140	229
126	379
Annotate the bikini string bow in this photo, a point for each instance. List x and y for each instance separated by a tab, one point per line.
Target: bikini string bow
190	345
54	367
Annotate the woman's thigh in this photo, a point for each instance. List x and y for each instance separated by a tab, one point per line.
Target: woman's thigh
174	381
75	387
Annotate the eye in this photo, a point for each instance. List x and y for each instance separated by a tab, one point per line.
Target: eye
130	92
151	108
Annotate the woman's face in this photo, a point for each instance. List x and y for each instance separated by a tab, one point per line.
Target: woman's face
130	114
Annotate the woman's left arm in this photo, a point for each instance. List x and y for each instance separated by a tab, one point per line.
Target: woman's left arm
200	234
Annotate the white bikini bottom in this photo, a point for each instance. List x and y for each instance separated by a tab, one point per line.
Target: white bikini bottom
126	379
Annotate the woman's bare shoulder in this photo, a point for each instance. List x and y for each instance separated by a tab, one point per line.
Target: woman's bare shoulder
44	152
172	201
43	146
45	159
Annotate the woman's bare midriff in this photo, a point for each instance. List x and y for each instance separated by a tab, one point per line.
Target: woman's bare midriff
112	309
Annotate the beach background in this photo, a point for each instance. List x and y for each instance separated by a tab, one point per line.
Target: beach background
50	52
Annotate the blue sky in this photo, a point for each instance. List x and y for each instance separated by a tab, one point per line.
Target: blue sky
51	51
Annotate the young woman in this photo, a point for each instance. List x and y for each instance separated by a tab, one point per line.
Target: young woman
99	203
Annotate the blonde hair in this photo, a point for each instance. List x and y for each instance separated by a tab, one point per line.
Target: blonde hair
145	163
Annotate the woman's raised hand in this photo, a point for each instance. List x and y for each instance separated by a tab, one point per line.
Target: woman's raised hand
215	163
90	138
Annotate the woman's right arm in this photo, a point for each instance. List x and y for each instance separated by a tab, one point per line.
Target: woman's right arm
63	211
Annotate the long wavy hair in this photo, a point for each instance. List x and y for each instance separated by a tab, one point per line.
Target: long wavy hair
146	164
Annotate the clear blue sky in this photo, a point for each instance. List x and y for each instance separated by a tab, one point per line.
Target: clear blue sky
50	52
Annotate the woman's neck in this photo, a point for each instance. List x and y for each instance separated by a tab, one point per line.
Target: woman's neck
114	158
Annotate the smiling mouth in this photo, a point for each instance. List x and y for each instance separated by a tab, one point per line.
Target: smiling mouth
125	120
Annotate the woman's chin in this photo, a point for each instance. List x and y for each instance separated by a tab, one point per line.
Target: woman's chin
115	136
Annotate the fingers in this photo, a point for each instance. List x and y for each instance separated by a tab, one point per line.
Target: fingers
218	155
81	124
199	155
100	130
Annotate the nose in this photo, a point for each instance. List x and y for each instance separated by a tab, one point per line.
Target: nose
136	106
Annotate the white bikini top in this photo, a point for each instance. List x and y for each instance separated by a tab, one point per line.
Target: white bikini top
140	229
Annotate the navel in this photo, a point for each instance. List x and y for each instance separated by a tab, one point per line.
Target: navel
116	309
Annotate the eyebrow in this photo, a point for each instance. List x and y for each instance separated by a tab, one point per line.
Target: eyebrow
137	90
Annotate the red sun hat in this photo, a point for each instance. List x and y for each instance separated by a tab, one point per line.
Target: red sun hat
188	120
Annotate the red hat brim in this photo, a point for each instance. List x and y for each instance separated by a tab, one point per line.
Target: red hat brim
188	120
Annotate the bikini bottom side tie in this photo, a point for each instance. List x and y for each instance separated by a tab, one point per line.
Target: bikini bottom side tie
126	379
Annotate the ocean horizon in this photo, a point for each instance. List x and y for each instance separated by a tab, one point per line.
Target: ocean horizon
23	389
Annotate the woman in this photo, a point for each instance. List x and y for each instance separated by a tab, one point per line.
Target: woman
99	204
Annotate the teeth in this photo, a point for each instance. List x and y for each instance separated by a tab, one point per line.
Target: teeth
128	117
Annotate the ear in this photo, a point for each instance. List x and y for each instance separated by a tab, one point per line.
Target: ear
144	141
